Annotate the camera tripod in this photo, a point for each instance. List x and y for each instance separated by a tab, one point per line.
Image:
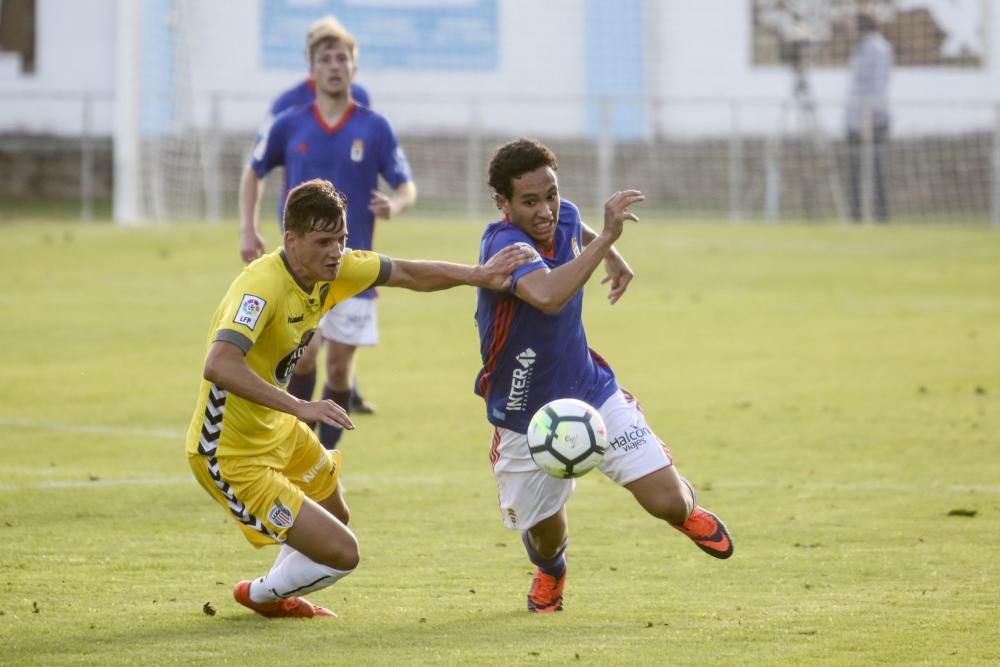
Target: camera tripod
813	174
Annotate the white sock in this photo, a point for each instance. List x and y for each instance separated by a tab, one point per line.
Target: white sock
283	552
258	593
294	574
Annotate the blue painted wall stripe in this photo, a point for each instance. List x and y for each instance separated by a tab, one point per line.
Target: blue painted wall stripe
614	55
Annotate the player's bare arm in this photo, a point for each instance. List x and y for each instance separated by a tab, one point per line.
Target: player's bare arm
226	366
617	270
386	206
430	276
548	290
251	241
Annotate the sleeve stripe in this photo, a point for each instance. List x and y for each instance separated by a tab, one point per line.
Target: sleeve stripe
234	337
384	271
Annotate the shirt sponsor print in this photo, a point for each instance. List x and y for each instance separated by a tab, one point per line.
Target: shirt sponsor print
283	371
249	311
520	382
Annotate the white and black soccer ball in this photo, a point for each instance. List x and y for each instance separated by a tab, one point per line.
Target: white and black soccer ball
567	438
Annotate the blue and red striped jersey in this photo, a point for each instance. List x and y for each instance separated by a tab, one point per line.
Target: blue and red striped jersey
530	358
304	94
351	155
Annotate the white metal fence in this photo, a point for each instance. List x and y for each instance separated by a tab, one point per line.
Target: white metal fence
776	162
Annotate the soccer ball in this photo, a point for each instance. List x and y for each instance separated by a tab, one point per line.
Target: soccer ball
567	438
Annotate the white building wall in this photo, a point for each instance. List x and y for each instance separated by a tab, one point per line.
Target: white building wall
698	63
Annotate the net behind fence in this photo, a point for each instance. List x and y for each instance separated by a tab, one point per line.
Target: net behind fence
194	173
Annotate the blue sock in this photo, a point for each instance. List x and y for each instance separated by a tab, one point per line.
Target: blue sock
329	436
302	385
555	566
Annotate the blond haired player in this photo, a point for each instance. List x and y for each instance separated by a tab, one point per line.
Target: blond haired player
247	443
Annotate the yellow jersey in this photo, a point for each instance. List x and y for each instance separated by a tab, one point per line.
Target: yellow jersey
271	316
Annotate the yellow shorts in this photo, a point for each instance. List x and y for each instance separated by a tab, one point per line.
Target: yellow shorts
263	493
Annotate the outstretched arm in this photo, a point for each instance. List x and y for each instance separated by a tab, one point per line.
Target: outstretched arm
549	291
430	276
226	366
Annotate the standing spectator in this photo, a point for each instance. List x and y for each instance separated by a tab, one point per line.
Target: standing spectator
868	114
352	146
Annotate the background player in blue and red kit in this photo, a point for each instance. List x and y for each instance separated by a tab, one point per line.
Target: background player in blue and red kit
304	94
351	146
534	350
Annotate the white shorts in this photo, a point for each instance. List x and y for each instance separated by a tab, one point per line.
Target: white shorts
528	495
351	322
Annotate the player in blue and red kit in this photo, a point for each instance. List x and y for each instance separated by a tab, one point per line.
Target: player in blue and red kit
304	94
534	350
350	145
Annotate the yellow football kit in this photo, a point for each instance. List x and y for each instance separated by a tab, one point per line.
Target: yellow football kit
259	462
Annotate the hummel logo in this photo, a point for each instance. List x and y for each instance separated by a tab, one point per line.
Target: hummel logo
297	318
526	358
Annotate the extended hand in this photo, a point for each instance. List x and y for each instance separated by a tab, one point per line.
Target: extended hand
616	211
325	411
619	274
496	273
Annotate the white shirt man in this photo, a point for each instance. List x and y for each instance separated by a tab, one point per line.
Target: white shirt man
868	91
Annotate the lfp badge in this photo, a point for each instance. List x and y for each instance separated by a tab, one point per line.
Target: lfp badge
249	311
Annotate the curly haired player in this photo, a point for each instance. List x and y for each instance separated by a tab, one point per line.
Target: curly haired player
534	350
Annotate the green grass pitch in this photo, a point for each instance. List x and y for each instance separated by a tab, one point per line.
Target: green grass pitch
832	391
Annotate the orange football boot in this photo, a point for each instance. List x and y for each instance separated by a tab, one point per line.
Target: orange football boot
295	607
708	532
545	595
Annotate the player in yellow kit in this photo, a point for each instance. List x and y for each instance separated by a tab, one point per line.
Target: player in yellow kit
247	444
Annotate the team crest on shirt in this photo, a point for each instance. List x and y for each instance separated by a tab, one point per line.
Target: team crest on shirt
576	247
249	311
357	150
280	516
